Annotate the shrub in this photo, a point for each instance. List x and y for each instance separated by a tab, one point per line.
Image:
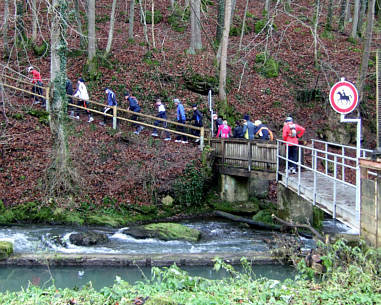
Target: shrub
157	17
266	65
179	19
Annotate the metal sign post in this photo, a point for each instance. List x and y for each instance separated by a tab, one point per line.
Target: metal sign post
211	112
344	98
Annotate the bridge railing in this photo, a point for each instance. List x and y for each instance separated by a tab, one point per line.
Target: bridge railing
13	83
338	167
244	154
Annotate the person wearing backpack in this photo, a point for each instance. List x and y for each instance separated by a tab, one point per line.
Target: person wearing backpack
181	118
134	106
197	118
248	128
291	133
262	131
111	102
224	130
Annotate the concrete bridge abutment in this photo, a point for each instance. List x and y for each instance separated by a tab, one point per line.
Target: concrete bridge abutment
238	188
293	207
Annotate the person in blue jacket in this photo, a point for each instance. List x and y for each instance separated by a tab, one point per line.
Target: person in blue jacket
111	101
133	106
197	118
181	118
248	128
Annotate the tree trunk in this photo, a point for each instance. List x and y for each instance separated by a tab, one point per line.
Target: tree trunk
361	16
131	20
111	30
355	19
328	24
267	7
153	24
224	53
196	42
234	2
343	6
91	38
34	20
315	33
20	28
82	40
172	3
220	20
243	25
5	29
366	50
145	31
61	177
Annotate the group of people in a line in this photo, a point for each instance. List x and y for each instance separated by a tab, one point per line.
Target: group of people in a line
244	129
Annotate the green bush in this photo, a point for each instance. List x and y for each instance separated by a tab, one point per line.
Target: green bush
266	65
157	17
189	188
179	19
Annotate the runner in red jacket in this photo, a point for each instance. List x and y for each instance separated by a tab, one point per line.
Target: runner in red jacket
291	133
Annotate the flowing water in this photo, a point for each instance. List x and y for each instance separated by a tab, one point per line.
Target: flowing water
217	236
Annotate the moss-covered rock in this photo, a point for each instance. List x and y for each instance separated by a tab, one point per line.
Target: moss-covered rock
6	249
88	238
167	201
200	83
164	231
264	216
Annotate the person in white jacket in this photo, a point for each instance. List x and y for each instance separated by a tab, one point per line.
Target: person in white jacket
83	98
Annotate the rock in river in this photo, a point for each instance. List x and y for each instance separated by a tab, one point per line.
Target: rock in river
90	238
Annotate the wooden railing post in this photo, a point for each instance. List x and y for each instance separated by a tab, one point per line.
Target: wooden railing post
249	156
202	135
114	115
47	99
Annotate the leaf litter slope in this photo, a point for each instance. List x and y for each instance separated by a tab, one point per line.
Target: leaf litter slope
125	171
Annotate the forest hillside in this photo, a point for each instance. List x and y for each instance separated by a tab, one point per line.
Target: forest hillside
283	64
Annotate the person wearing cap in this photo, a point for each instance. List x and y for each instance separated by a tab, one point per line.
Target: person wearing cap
37	85
133	106
248	128
83	98
262	131
290	134
197	121
111	102
181	118
162	115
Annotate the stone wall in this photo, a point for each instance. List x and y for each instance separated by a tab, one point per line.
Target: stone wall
370	213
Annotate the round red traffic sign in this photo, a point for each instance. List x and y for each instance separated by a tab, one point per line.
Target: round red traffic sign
343	97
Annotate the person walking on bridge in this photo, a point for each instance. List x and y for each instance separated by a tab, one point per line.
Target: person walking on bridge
291	133
133	106
248	128
181	118
162	115
37	85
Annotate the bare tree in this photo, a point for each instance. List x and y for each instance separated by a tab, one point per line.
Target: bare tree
143	15
82	40
91	48
355	19
243	25
224	53
220	20
153	24
328	23
5	29
34	20
61	178
131	20
366	49
363	4
267	7
196	42
343	6
111	30
315	31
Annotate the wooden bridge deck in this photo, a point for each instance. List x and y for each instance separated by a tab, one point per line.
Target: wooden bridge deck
345	195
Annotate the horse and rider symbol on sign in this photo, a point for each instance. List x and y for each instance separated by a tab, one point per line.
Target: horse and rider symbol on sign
343	97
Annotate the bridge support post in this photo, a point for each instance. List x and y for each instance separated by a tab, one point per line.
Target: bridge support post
114	117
